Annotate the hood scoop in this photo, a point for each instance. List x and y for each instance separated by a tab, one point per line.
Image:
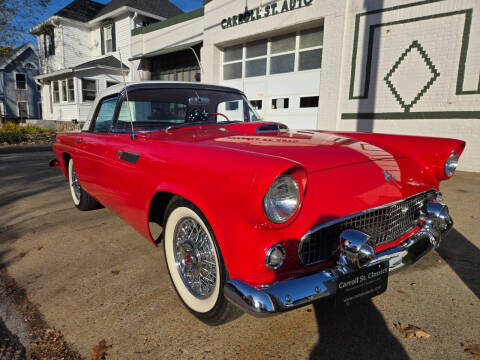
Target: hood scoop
271	127
253	128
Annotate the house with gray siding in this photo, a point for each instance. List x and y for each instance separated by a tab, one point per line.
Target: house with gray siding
20	97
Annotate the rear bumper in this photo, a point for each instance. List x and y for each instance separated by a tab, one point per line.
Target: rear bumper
293	293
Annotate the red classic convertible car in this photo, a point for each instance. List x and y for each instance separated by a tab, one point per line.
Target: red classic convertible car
254	214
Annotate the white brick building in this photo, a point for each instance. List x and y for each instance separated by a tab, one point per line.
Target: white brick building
405	67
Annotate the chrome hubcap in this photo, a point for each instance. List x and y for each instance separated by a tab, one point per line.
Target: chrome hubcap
75	184
194	257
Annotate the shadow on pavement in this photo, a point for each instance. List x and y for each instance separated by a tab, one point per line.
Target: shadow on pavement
355	332
463	257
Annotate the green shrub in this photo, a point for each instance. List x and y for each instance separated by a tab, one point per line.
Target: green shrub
11	137
11	126
30	129
27	129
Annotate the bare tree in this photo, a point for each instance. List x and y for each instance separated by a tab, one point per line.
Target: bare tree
16	18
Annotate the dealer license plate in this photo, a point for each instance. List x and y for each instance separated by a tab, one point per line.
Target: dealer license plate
361	284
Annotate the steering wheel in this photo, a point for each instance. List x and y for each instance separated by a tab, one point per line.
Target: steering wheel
196	115
217	113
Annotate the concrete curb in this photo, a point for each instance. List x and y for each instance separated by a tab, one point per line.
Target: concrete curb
25	148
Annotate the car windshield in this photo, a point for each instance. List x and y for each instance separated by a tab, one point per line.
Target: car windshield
152	109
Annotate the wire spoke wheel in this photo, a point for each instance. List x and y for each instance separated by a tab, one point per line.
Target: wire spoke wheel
76	184
194	258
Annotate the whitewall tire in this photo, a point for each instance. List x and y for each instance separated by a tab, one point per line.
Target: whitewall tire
82	200
195	263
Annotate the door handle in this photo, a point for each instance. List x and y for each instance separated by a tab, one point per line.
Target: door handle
79	141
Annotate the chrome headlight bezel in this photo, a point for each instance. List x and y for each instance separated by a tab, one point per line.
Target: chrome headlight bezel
282	199
451	164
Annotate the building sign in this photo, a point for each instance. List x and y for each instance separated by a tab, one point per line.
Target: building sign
260	12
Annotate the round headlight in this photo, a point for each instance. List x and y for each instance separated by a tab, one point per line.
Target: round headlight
282	199
451	164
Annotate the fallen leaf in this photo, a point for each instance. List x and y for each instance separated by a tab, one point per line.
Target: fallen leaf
99	351
411	331
40	248
115	272
471	348
22	254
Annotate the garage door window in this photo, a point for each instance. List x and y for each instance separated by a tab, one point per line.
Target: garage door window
298	51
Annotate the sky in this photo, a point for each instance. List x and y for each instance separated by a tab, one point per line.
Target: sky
56	5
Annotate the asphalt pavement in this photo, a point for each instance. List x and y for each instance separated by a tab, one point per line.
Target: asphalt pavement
93	277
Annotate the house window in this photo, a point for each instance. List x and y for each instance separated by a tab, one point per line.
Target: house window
89	89
107	34
111	83
64	90
30	66
22	107
298	51
309	102
49	43
108	38
280	103
256	104
71	90
20	81
56	92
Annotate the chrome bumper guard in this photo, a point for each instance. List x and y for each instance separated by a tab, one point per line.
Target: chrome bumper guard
355	253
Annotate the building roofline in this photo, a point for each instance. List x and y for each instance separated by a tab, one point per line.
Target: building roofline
56	19
169	22
17	53
122	10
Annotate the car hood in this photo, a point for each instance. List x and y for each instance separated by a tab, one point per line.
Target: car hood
314	150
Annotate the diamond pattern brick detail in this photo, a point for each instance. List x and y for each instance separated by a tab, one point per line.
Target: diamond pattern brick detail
400	70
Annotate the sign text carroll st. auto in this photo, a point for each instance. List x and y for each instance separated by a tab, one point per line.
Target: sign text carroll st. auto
264	12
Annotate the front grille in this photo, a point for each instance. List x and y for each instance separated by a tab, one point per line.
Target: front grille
384	224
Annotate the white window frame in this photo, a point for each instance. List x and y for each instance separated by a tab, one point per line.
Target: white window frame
81	89
63	97
53	92
15	79
105	29
269	55
2	108
71	101
18	109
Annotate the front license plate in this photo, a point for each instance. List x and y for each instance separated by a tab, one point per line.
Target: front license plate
361	284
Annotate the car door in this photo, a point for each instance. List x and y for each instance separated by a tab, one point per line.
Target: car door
125	185
92	147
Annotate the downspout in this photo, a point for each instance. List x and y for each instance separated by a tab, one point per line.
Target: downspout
132	25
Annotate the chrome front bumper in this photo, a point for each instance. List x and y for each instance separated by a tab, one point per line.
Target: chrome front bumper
296	292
